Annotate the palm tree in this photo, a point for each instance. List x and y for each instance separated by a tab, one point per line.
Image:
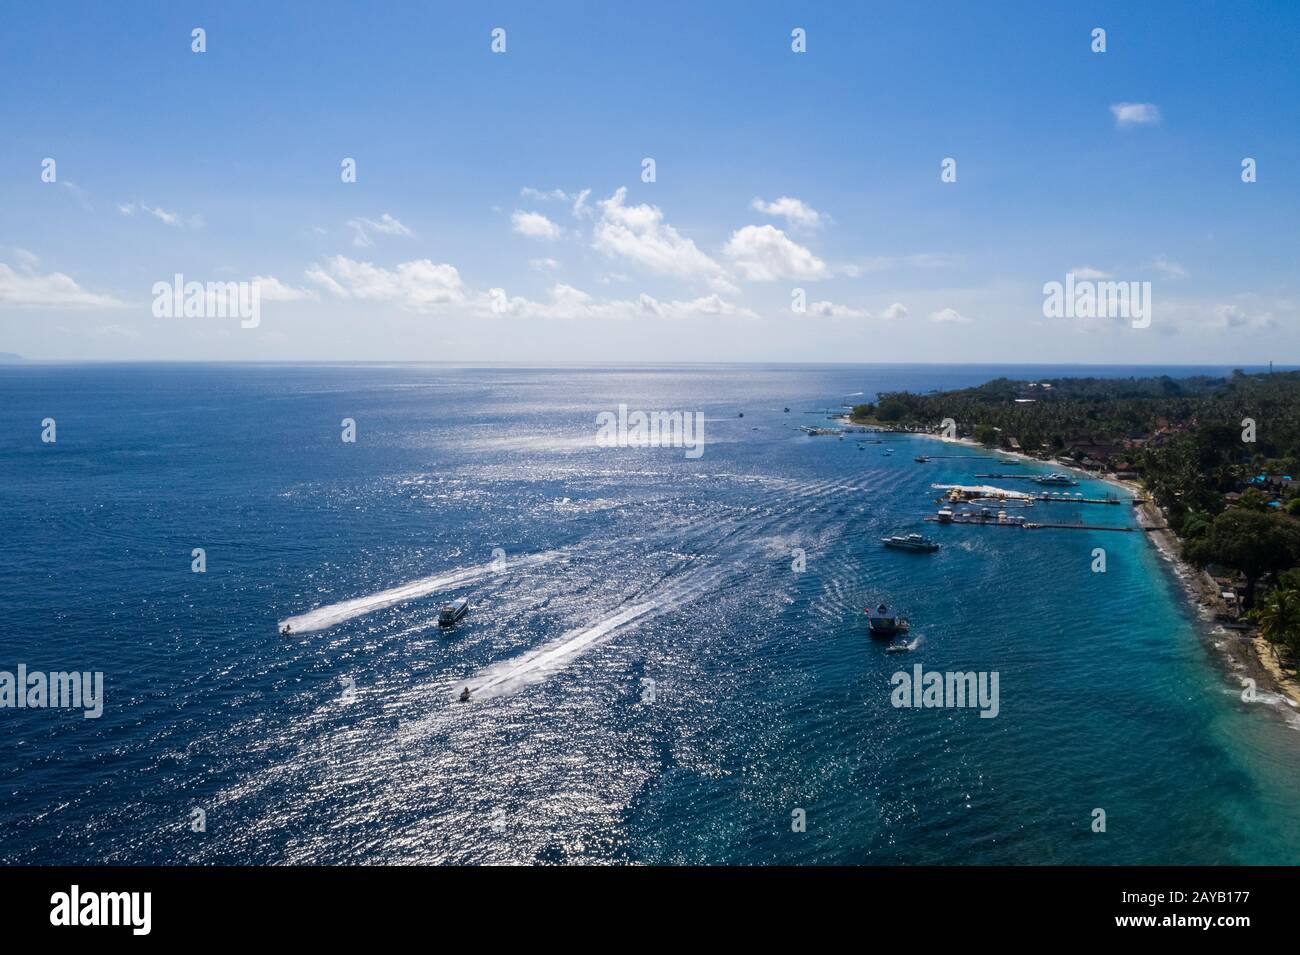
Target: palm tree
1278	617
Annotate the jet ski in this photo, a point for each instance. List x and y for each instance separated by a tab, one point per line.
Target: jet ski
464	695
286	631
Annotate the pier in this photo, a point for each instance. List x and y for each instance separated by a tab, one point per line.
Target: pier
968	493
980	521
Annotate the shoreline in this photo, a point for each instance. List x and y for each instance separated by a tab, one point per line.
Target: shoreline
1249	655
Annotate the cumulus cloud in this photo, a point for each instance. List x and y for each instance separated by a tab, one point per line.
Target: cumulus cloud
52	290
764	253
1236	317
568	302
417	286
1135	114
543	265
363	229
1087	272
796	212
535	225
950	316
831	310
640	235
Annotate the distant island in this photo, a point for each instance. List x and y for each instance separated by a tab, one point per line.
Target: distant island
1216	455
11	356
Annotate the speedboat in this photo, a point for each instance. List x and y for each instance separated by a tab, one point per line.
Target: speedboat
913	542
452	612
921	458
882	623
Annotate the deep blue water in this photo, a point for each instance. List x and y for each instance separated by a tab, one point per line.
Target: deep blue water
345	745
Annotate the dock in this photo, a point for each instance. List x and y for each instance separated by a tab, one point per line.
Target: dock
967	492
1029	526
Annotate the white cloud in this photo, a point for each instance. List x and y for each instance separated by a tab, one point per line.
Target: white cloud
949	315
796	212
580	208
1135	114
543	265
1087	272
831	310
570	303
709	306
882	263
384	225
27	261
53	290
1170	270
535	225
418	286
271	289
639	234
1234	316
530	193
764	253
174	219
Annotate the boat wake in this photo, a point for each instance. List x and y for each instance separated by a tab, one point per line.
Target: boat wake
509	676
322	618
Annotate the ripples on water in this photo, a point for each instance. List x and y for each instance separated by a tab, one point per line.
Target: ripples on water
344	744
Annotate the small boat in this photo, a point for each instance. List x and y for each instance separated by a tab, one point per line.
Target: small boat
464	695
741	415
452	612
944	516
921	458
1056	477
898	646
286	631
787	410
882	623
913	542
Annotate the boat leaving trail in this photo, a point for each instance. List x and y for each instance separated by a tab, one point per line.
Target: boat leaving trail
322	618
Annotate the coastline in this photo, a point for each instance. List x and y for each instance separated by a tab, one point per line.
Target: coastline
1250	656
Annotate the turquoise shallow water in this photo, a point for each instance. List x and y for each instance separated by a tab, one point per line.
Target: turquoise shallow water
344	744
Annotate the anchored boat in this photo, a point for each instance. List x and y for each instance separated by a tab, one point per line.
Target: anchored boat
1056	477
912	542
884	624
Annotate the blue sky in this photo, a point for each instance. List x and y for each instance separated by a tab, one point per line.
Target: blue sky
775	171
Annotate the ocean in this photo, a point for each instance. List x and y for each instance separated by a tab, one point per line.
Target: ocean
667	652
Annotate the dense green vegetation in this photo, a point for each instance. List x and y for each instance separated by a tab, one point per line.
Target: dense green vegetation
1214	453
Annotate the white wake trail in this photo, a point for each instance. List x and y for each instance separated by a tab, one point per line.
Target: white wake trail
535	666
328	616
